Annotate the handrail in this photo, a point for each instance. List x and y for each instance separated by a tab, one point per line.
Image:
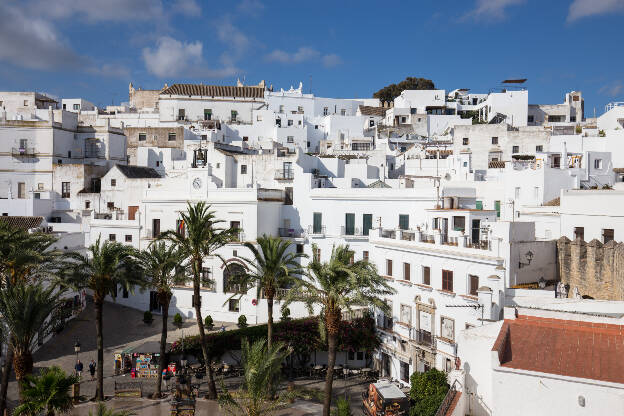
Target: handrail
448	400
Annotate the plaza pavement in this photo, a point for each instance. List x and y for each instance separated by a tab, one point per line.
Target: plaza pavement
124	327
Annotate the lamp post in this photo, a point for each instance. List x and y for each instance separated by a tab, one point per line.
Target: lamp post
77	384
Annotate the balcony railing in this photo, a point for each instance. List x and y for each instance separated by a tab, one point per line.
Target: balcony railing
355	231
23	152
240	237
290	232
408	235
284	174
481	245
316	230
422	337
388	234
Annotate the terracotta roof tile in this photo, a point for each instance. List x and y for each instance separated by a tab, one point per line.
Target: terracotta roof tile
23	222
367	110
568	348
214	91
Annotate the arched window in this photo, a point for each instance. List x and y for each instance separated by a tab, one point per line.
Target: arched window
231	277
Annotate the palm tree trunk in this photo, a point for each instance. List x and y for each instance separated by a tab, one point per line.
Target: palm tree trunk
329	378
23	365
212	387
8	366
165	299
270	320
98	303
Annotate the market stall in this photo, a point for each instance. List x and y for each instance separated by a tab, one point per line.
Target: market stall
141	361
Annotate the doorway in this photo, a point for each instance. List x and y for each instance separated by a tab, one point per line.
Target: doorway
476	231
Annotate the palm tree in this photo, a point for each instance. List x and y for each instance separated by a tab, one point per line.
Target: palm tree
25	309
337	285
200	239
102	410
271	268
161	267
262	366
106	267
24	257
47	394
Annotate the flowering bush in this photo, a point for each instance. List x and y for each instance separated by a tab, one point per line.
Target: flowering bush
302	334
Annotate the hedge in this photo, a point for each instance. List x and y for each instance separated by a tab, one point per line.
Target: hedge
302	334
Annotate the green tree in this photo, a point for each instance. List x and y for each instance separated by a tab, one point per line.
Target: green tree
24	257
25	310
427	392
162	270
261	366
202	238
102	410
338	285
47	394
106	267
272	267
390	92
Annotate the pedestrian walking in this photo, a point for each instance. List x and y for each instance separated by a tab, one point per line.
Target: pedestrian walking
92	367
78	367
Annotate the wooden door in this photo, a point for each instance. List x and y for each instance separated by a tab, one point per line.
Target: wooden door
132	210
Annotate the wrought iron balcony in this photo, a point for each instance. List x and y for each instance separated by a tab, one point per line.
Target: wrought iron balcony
290	232
422	337
316	230
23	152
284	174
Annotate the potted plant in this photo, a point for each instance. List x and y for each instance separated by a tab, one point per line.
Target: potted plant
208	322
147	317
242	321
285	315
177	320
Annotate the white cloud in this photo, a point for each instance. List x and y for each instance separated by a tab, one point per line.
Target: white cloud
173	58
99	10
32	42
491	9
584	8
188	8
111	70
251	7
612	89
303	54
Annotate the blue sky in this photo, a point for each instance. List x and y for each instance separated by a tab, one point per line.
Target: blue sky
93	49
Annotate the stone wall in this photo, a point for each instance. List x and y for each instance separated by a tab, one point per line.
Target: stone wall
154	137
595	269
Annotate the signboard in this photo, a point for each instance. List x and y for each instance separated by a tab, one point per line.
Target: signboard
425	321
448	328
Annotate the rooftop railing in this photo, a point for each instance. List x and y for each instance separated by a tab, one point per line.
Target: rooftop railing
23	152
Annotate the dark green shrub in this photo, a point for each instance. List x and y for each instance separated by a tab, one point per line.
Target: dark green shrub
427	392
242	321
208	322
177	320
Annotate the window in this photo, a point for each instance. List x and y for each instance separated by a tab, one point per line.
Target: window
405	373
299	248
290	139
288	195
113	182
515	149
206	279
607	235
404	221
474	284
316	127
406	271
388	267
494	140
65	190
447	328
87	204
447	280
155	227
403	120
181	114
290	122
172	137
530	119
349	224
539	148
243	169
25	103
406	314
69	154
207	114
479	205
234	305
234	114
21	190
572	119
317	223
128	238
245	138
325	111
426	275
76	106
579	232
367	223
300	109
497	208
142	137
597	163
365	255
110	205
343	112
112	237
465	141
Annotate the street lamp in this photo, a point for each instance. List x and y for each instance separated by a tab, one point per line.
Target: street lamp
77	384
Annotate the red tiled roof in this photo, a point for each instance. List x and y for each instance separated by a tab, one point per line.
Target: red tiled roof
568	348
214	90
367	110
